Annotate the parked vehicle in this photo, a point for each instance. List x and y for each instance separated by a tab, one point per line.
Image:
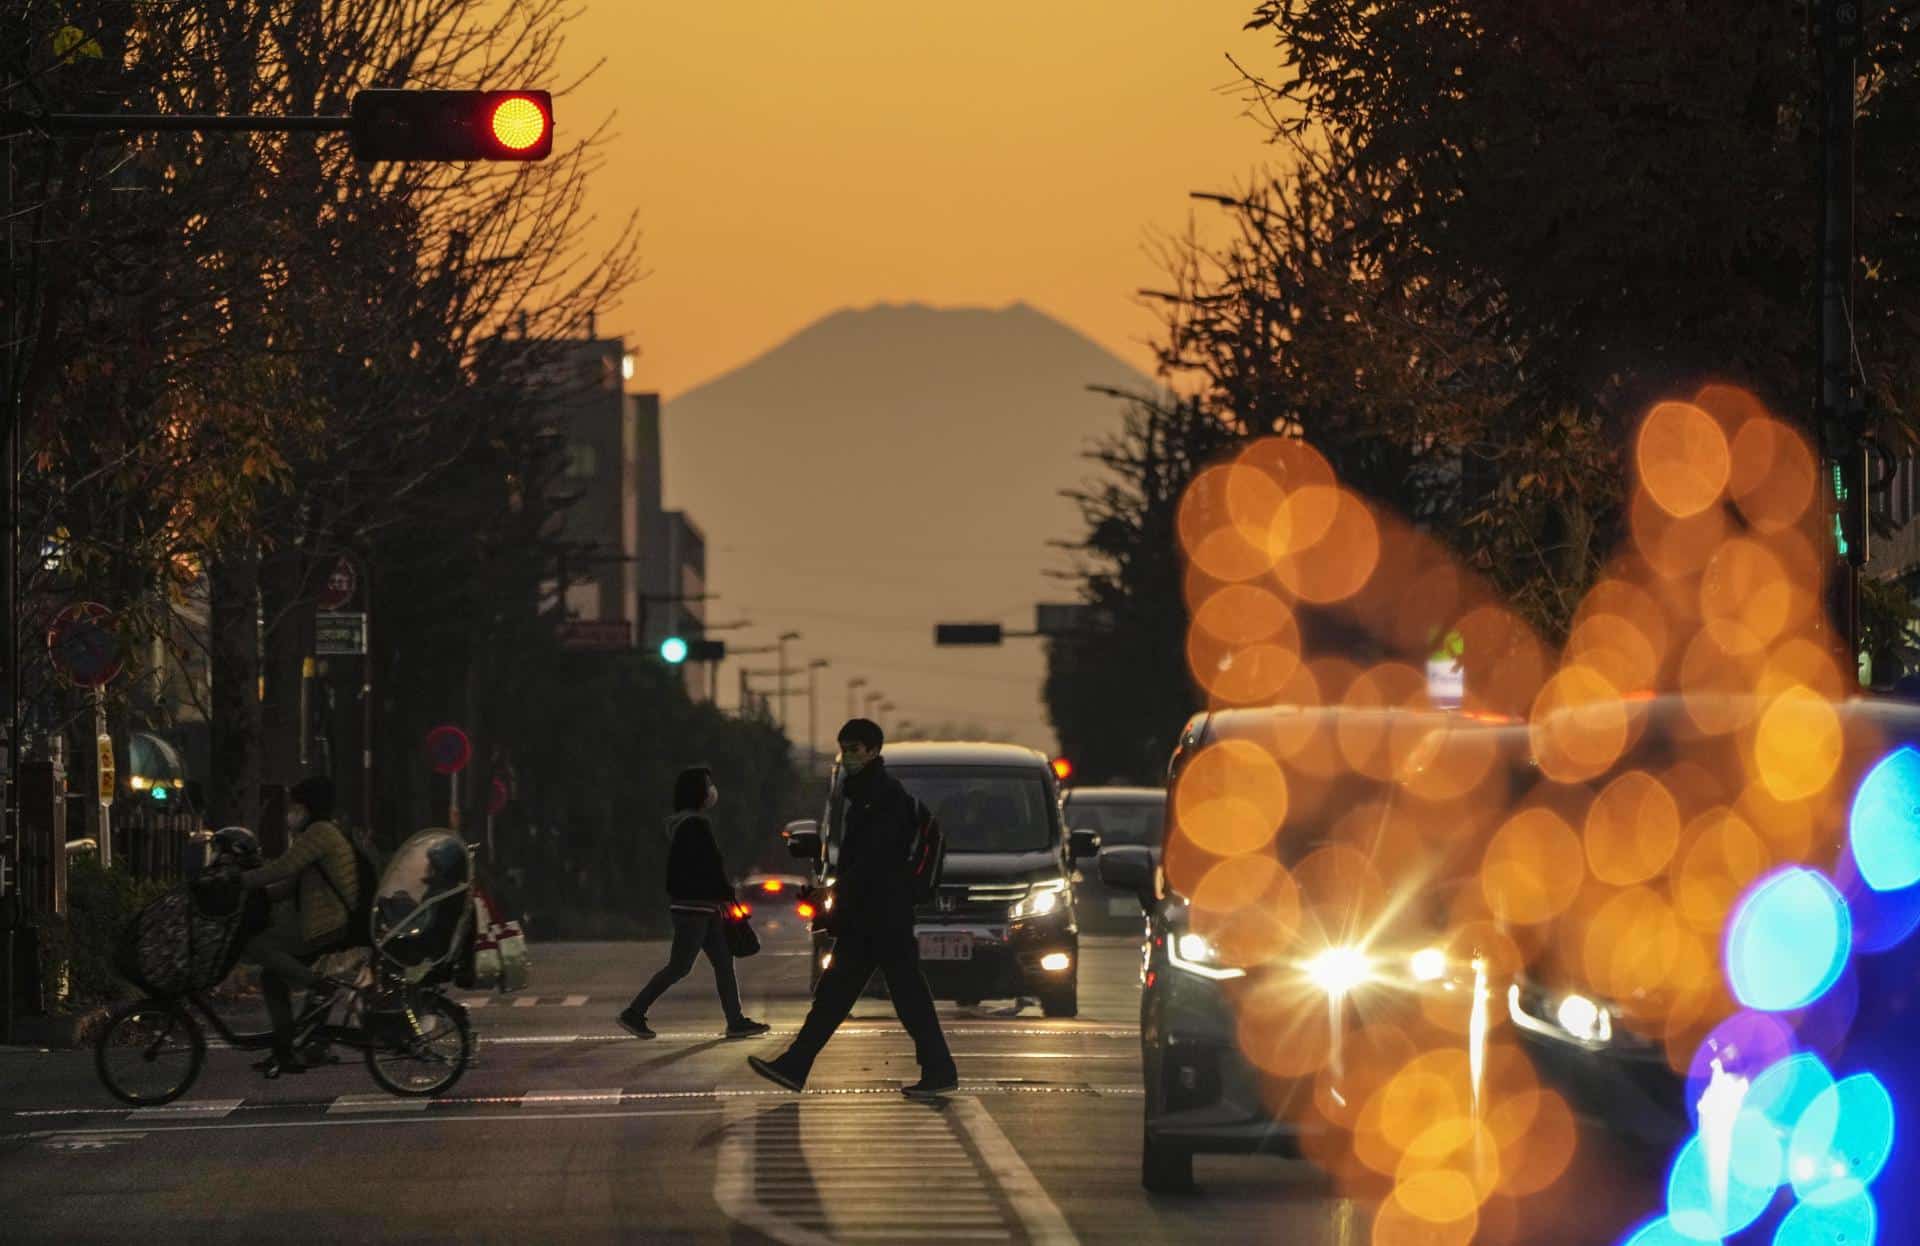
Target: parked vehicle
1002	923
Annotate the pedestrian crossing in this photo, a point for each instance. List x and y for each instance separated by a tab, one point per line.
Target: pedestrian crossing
813	1172
471	1002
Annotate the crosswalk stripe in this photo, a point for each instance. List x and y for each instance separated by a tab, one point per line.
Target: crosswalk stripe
527	1001
198	1109
349	1105
545	1098
573	1001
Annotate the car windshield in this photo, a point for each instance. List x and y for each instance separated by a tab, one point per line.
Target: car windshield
1119	821
982	809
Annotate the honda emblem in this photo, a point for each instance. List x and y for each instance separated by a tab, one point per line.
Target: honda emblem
947	902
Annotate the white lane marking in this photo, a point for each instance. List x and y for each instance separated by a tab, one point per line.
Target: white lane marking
347	1105
470	1002
1044	1223
541	1097
328	1122
573	1001
205	1109
527	1001
88	1139
864	1098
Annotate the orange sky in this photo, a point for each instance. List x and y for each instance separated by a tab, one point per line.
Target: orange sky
789	159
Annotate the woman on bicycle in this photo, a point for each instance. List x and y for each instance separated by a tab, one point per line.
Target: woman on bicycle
698	893
315	885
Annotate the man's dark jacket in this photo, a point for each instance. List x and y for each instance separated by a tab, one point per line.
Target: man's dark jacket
874	894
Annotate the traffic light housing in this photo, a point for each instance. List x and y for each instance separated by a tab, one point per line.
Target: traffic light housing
452	125
677	649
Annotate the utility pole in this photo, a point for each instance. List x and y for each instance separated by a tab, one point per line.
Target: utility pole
1837	416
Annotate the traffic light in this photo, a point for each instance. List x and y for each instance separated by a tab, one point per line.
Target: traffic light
677	649
452	125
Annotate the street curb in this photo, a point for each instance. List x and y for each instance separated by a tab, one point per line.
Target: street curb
62	1031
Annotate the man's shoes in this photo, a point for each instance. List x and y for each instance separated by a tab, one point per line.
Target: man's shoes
634	1023
747	1027
776	1073
932	1085
280	1063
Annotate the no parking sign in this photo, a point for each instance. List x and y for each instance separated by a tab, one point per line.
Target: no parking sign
448	749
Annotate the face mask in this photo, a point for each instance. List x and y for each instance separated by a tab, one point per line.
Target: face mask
851	766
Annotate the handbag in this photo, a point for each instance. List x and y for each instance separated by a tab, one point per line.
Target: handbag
738	926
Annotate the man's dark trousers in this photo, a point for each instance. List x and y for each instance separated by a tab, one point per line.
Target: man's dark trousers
856	954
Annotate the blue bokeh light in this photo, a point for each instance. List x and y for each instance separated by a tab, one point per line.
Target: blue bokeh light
1885	823
1699	1208
1842	1141
1662	1233
1853	1222
1784	1092
1789	941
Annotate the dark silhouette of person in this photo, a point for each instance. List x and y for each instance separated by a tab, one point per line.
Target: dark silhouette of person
873	922
698	894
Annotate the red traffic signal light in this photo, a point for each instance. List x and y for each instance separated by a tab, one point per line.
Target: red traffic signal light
452	125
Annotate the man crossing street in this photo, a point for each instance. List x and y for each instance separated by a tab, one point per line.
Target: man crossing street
872	922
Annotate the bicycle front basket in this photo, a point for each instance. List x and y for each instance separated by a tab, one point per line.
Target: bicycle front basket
172	947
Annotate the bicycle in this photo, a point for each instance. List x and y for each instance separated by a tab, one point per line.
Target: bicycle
416	1041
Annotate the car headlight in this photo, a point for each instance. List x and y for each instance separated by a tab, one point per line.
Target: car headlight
1573	1017
1196	954
1041	899
1429	964
1340	970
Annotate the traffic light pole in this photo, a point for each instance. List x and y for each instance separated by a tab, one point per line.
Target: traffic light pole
1836	412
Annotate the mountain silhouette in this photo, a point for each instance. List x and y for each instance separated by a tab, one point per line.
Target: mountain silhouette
888	468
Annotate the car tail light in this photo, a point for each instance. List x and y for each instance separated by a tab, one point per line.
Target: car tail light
772	886
805	909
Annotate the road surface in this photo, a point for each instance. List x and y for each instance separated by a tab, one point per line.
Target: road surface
569	1130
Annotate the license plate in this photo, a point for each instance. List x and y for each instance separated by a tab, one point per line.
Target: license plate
946	945
1123	906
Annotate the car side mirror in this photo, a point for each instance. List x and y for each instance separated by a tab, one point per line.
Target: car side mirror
803	840
1082	843
1129	867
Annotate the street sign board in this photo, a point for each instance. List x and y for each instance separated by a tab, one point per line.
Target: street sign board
448	749
595	635
108	779
966	633
339	633
342	586
83	645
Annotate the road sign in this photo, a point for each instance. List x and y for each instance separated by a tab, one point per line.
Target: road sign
448	749
339	633
966	634
342	586
83	645
595	635
103	744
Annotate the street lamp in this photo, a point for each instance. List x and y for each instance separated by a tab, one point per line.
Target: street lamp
853	703
813	708
781	648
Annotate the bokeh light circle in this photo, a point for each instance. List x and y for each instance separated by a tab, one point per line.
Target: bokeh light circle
1885	822
1683	458
1789	941
1842	1141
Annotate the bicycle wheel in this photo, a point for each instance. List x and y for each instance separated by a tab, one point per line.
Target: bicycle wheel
149	1052
431	1057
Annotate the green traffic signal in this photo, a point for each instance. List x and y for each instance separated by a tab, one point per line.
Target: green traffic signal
673	650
